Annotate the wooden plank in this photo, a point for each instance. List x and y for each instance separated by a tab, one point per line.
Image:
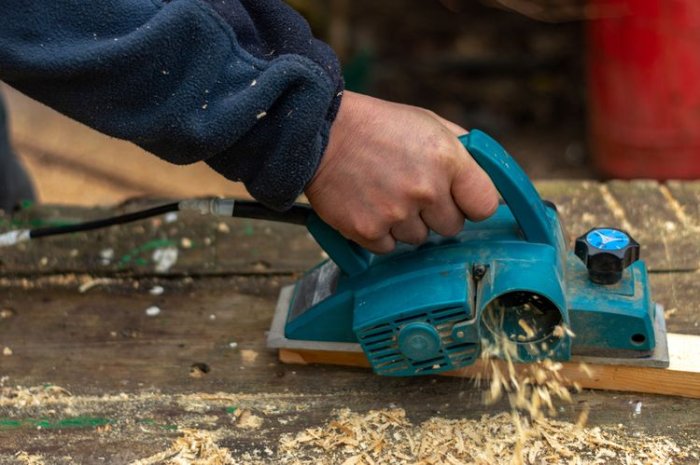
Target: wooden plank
648	210
685	199
681	378
580	204
680	296
665	237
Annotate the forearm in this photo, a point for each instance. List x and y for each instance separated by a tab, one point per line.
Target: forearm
179	81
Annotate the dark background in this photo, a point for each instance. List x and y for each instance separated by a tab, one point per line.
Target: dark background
513	68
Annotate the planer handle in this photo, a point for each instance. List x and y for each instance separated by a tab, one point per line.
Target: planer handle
511	181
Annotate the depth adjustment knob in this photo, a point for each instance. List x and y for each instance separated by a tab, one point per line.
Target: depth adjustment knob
606	252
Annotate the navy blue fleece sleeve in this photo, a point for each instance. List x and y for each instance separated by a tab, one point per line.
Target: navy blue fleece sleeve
240	84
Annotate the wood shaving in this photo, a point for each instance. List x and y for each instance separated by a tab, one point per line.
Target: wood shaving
192	448
33	396
6	313
248	356
87	285
245	419
532	388
384	437
28	459
379	437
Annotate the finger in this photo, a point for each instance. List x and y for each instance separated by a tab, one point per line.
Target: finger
444	218
365	231
380	246
473	191
411	231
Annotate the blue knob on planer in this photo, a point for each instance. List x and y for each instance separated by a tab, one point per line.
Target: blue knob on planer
606	252
431	308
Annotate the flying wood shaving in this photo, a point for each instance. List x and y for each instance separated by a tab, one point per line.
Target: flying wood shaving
534	388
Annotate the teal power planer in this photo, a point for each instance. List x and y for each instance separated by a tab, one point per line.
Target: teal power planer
431	308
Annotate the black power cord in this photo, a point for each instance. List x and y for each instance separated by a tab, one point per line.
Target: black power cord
105	222
297	214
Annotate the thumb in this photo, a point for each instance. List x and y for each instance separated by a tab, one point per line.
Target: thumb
472	190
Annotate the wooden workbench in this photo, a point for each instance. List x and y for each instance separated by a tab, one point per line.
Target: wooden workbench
75	318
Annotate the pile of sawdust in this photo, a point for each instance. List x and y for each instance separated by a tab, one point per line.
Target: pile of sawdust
386	437
26	458
192	448
19	396
245	419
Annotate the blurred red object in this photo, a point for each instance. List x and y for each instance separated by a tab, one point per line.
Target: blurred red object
644	87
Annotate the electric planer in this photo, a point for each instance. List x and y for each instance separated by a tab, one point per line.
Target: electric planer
431	308
435	307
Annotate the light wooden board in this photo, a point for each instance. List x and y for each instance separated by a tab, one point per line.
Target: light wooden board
681	378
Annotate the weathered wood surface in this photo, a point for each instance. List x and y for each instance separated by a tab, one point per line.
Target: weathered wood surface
100	343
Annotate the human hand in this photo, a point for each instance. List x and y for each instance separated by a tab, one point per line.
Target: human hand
393	172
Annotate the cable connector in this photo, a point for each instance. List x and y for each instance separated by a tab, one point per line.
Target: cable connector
14	237
213	206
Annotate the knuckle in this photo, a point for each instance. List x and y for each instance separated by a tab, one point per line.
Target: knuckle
369	231
424	193
430	113
440	145
411	234
395	214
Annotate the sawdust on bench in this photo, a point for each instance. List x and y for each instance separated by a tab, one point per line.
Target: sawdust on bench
379	437
528	434
192	448
247	420
385	437
29	459
19	396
